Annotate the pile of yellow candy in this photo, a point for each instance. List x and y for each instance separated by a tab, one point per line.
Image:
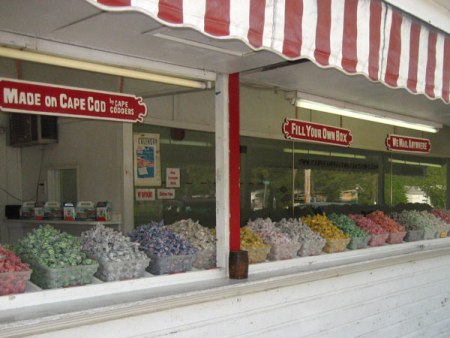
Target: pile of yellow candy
324	227
250	239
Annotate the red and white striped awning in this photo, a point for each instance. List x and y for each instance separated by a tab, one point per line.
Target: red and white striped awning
366	37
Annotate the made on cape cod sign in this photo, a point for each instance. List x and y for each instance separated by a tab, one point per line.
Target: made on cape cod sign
314	132
47	99
408	144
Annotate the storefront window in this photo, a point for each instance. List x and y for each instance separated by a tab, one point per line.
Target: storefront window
415	180
281	179
340	187
192	154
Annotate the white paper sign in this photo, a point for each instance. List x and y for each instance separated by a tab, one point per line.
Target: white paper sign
145	194
172	177
147	165
166	194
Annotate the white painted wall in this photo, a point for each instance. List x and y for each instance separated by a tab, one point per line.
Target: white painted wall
409	299
93	147
190	110
263	112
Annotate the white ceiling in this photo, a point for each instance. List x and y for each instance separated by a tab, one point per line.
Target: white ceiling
78	23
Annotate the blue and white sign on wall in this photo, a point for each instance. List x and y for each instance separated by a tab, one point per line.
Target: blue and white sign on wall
147	166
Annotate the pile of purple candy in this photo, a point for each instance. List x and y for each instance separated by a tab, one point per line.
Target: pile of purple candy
156	239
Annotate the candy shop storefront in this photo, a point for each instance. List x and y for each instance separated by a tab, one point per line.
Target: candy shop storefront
194	135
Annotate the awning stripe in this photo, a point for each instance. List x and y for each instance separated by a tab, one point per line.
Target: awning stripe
439	65
256	29
394	51
446	71
217	17
276	40
413	56
375	39
349	51
293	16
309	23
431	64
239	25
356	36
323	32
363	38
171	11
336	33
422	61
194	13
403	71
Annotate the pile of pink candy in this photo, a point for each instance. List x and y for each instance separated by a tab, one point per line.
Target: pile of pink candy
379	234
396	231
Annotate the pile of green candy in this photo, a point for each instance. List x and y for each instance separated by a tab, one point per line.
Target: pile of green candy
52	248
347	225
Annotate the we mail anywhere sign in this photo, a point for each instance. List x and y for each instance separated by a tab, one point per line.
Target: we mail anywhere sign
47	99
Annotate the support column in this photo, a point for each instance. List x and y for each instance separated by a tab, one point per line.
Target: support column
127	217
222	171
381	178
235	158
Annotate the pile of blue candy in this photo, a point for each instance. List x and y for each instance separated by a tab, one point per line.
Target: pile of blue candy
157	240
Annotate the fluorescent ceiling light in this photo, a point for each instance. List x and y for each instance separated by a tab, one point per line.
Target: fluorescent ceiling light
99	68
369	114
186	143
361	157
421	164
322	153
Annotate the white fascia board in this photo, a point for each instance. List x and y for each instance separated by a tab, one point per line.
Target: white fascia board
430	11
44	46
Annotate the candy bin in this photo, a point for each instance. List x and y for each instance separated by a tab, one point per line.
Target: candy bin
414	235
169	252
444	215
160	265
55	258
359	237
336	239
282	246
118	257
252	242
396	231
414	220
201	238
311	243
378	235
359	242
14	274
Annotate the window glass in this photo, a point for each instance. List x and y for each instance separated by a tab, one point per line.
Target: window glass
413	180
193	153
266	178
281	178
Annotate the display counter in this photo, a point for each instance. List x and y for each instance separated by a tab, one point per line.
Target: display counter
18	228
329	289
